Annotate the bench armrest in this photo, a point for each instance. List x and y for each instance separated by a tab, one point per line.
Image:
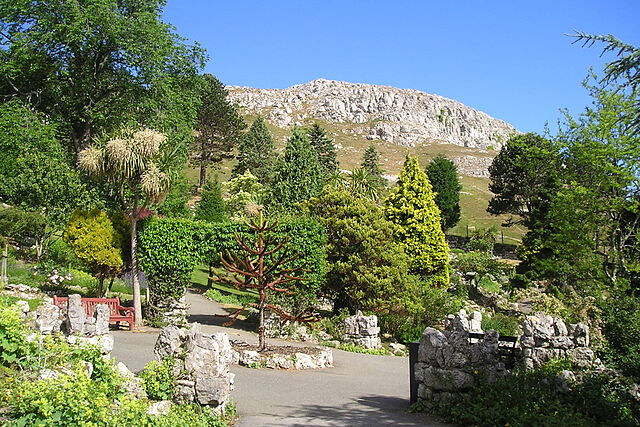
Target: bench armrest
126	309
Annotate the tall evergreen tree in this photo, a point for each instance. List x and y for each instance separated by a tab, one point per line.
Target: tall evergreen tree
323	145
443	176
299	175
412	207
218	127
212	207
371	163
256	152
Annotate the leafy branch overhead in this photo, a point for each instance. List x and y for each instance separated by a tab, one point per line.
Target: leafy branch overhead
263	265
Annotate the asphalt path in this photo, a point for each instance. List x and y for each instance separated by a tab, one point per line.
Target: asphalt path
360	390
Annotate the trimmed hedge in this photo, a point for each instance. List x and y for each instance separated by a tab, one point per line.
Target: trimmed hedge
171	248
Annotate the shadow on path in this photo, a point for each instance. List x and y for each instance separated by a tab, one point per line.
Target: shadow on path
371	410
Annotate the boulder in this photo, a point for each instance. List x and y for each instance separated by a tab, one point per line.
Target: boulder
160	408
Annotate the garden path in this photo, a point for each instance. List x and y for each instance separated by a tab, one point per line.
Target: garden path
361	389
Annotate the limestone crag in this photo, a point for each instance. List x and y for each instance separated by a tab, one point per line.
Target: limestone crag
401	116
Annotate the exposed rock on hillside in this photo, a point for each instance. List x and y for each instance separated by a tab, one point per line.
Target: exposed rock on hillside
404	117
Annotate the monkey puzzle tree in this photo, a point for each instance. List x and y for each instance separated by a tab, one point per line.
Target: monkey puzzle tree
130	163
262	265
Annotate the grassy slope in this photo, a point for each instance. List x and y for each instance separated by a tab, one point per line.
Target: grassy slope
475	192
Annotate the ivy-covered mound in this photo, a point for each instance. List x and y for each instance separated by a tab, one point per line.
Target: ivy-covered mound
170	249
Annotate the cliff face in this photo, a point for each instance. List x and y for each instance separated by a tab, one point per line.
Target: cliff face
398	117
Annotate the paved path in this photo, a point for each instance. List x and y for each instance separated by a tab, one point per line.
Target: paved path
360	390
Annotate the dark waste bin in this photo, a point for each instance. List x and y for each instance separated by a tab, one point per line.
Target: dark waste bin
413	384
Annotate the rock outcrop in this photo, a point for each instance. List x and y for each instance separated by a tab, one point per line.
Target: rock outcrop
404	117
362	330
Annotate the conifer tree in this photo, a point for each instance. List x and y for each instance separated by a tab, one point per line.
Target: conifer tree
411	206
371	163
323	145
443	176
212	207
299	175
219	126
256	152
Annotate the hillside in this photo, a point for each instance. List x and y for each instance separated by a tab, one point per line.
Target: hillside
398	122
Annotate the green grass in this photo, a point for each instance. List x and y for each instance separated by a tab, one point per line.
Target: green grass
199	280
490	285
7	300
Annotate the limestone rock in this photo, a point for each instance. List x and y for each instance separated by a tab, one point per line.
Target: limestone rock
75	315
169	342
47	319
212	391
160	408
101	316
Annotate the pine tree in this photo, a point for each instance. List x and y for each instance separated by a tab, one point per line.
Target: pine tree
256	152
323	145
212	207
299	175
219	126
443	176
371	163
411	206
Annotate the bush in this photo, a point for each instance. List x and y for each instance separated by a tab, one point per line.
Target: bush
533	398
231	299
14	347
504	325
170	249
157	379
622	331
59	253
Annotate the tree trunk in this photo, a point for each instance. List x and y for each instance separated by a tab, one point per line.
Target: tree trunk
137	303
262	344
101	286
111	283
5	254
203	174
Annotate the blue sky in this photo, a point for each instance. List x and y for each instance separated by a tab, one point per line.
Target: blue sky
510	59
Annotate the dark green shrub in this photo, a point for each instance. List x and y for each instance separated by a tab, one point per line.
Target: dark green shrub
170	249
533	398
60	253
621	314
157	379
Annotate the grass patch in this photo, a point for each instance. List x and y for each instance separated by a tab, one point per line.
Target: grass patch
358	349
199	279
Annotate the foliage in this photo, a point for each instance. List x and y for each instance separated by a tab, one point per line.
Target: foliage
530	398
443	176
361	183
219	126
18	225
624	72
242	195
298	175
368	270
621	315
597	211
212	207
482	240
95	241
157	379
14	346
503	324
35	171
170	249
363	350
479	265
411	206
371	163
59	253
175	203
433	306
95	66
324	148
256	152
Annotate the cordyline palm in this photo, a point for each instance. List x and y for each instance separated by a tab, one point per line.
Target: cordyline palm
129	163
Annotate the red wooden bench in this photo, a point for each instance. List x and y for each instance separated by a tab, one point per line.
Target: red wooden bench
117	313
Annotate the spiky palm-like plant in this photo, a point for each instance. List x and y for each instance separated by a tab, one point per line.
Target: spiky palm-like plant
130	163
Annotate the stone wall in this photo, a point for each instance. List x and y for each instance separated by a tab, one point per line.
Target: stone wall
362	330
546	338
449	362
201	364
